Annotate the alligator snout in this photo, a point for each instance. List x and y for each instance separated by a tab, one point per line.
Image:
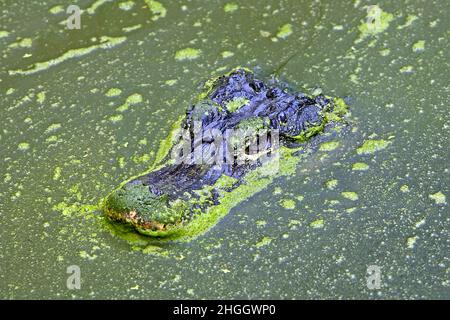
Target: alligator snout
136	204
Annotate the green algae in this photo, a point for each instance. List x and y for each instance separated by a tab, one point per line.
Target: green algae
230	7
113	92
406	69
329	146
3	34
7	178
277	191
157	9
22	43
95	5
132	28
404	188
438	197
293	223
411	241
83	254
236	104
115	118
155	250
76	209
418	46
227	54
264	34
187	54
40	97
121	162
261	223
350	210
310	132
126	5
105	43
52	139
360	166
23	146
53	127
135	98
263	242
225	182
288	204
317	224
420	223
145	158
377	21
385	52
284	31
56	9
372	146
331	184
409	21
171	82
350	195
57	173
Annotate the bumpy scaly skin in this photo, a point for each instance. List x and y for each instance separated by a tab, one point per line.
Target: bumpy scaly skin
165	197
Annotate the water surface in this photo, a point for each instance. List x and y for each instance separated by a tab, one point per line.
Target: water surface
67	140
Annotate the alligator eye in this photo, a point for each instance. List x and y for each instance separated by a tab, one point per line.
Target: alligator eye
282	117
256	86
273	93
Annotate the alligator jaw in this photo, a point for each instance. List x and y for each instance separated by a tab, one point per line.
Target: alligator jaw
134	219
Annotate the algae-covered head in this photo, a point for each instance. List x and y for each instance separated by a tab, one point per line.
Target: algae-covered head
135	203
161	200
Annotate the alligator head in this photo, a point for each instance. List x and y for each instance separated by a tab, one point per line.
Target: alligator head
237	102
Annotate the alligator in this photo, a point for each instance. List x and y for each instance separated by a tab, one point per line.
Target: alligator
204	160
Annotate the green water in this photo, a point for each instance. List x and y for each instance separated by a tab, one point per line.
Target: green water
65	140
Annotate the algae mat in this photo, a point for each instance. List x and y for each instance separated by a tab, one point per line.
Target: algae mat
83	110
